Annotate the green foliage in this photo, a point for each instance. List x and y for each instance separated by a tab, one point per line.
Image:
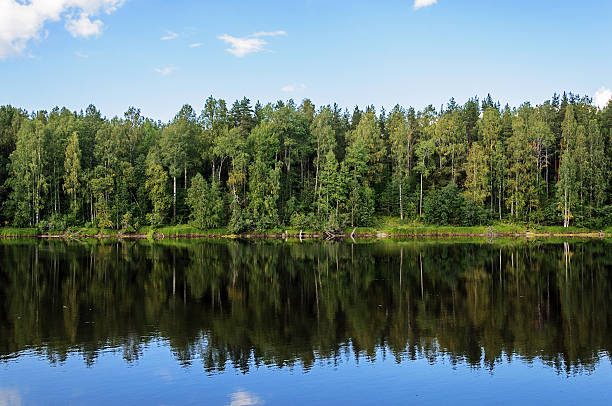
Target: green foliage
444	206
477	175
239	219
267	166
72	175
473	214
521	181
205	203
264	189
156	184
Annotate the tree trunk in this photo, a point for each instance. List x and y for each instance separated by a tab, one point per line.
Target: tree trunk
174	199
421	197
565	207
474	192
173	274
499	200
491	173
546	152
421	266
400	201
302	171
317	175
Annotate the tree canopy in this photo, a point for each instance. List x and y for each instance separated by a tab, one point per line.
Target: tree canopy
283	164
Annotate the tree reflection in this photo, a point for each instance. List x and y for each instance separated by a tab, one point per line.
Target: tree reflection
246	304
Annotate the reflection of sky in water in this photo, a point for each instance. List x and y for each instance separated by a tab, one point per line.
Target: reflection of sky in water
243	398
157	378
305	324
9	397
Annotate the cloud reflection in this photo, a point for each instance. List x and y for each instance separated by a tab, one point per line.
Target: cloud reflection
244	398
11	397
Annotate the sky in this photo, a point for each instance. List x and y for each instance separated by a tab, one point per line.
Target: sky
160	54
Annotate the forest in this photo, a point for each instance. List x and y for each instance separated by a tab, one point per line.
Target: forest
260	167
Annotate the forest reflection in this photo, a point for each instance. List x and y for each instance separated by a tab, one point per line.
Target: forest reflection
245	304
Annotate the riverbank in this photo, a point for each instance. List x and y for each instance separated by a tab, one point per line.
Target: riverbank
388	229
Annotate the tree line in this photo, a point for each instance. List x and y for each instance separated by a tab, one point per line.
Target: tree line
249	167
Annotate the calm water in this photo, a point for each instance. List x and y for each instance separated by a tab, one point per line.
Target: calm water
245	323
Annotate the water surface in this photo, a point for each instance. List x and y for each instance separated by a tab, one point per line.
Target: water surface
217	322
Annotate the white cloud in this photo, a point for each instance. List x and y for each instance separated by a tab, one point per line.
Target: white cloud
171	35
241	46
83	26
244	398
195	45
22	21
602	97
81	55
293	88
165	70
423	3
268	33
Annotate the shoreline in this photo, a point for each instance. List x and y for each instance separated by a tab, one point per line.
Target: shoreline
157	235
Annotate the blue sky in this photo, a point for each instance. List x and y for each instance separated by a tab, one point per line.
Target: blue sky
160	54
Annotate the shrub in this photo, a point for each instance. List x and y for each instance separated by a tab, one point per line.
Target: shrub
444	206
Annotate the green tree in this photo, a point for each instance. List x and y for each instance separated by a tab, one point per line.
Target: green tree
597	165
178	143
367	135
477	174
490	127
444	206
521	174
425	148
568	169
27	174
264	176
330	191
400	137
264	186
156	184
354	175
72	173
205	203
324	141
450	142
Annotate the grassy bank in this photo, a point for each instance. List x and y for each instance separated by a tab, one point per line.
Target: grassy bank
18	232
383	227
393	226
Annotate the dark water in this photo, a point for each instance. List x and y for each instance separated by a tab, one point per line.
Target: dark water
215	322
